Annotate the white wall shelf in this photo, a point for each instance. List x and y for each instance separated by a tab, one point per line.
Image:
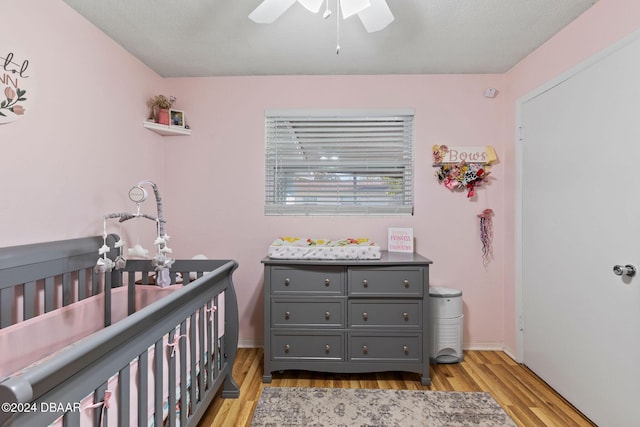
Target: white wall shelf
166	130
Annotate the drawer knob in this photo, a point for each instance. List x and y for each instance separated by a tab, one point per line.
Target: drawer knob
406	316
327	348
327	282
327	315
405	282
287	347
287	315
287	281
365	316
365	283
365	349
405	349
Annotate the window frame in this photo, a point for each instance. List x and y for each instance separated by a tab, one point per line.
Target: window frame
294	140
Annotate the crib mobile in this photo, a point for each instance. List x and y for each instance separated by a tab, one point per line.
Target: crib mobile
160	261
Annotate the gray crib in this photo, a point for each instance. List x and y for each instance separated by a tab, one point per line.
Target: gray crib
129	361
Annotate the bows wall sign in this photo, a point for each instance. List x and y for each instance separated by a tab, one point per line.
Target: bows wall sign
463	168
14	85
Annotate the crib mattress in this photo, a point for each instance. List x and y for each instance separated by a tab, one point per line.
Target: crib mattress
308	248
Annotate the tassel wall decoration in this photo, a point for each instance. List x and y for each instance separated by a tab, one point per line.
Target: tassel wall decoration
486	235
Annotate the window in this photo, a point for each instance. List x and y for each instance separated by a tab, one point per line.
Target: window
339	162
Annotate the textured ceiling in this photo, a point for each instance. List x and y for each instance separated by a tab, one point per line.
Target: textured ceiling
196	38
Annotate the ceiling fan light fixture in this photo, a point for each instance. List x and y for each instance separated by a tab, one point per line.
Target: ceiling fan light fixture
352	7
270	10
311	5
377	17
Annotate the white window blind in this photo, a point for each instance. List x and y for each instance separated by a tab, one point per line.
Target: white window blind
339	162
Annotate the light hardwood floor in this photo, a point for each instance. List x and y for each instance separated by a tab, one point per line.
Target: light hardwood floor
524	396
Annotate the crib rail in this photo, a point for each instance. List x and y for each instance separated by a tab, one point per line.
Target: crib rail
63	267
89	364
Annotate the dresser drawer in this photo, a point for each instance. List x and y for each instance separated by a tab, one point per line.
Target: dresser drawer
382	347
318	312
394	313
386	281
307	345
326	280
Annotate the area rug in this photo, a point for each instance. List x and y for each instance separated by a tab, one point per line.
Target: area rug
337	407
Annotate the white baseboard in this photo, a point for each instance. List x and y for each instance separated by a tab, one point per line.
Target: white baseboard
511	354
250	343
490	346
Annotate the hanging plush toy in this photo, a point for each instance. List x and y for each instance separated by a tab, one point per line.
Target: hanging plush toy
121	261
104	263
486	235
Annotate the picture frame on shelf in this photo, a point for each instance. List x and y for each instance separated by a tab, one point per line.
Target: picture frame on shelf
176	119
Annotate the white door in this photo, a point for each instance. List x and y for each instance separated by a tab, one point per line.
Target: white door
581	216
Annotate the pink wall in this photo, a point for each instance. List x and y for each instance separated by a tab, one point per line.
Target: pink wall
80	146
217	205
75	154
602	25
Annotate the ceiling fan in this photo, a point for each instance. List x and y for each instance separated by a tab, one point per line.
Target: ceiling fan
374	14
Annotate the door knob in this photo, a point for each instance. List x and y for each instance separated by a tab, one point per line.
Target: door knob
627	270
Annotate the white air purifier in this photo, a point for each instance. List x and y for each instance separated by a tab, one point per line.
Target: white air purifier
446	325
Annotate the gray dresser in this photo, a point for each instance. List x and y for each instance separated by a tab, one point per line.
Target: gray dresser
347	315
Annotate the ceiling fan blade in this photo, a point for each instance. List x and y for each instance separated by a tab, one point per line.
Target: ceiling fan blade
351	7
312	5
376	17
270	10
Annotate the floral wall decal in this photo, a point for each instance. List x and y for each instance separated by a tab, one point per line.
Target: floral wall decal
14	83
10	104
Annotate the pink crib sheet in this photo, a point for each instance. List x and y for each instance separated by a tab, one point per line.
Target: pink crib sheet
39	337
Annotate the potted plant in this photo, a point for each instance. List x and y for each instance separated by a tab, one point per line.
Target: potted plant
160	106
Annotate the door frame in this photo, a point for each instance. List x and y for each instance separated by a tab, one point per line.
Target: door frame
519	163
